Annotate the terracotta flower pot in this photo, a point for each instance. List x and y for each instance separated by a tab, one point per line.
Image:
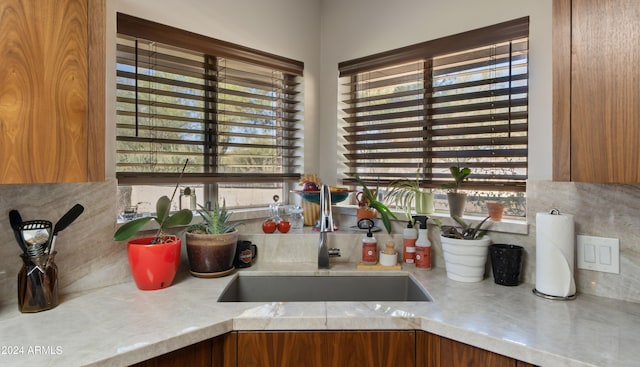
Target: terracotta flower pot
495	210
211	255
153	266
365	213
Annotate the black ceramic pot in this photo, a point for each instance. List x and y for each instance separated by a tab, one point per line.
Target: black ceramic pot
506	262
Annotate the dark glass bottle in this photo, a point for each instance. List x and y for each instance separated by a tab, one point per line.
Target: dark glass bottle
38	283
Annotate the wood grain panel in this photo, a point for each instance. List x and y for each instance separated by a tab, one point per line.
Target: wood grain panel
96	93
456	354
43	91
372	348
281	349
605	96
196	355
427	349
225	349
327	349
524	364
561	90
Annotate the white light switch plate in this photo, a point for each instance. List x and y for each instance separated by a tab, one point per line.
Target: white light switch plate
598	254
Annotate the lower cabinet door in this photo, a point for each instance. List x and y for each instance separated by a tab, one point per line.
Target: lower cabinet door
436	351
326	349
454	354
196	355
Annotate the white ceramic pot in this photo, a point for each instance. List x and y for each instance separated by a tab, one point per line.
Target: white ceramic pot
465	260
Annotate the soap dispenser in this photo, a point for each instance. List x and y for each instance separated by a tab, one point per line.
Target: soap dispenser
369	244
423	246
409	237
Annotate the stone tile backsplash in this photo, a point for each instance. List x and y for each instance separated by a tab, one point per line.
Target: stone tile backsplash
604	210
88	258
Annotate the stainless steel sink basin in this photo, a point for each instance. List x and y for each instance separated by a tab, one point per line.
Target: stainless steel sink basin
320	288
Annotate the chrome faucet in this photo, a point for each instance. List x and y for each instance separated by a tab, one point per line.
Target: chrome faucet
326	225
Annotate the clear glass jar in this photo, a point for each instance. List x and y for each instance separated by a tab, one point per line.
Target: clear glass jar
295	217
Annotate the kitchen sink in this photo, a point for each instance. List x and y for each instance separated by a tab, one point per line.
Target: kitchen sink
323	288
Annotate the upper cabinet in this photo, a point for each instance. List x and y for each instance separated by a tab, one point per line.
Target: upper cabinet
52	89
596	91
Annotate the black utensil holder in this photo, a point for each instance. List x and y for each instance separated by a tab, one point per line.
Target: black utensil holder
506	262
37	283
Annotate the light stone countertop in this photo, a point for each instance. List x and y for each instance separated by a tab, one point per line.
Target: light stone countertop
121	325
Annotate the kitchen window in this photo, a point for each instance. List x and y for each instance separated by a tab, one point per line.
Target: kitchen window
232	112
459	100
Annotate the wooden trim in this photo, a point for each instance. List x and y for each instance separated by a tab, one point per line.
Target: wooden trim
153	31
142	178
96	117
561	95
501	32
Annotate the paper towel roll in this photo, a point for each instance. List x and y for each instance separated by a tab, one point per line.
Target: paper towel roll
555	254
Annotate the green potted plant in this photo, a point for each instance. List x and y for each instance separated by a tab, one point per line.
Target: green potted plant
465	249
405	193
154	260
211	244
457	200
371	202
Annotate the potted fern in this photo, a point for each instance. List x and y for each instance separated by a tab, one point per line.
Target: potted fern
457	200
154	260
211	244
465	249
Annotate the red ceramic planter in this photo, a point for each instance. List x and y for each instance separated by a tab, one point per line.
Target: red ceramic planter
153	266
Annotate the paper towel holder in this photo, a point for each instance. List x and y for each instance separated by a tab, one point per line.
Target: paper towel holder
554	298
553	211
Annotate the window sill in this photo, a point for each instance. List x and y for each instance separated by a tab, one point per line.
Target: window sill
506	225
242	215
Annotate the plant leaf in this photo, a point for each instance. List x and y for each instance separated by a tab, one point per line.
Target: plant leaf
162	209
477	232
180	218
130	228
365	189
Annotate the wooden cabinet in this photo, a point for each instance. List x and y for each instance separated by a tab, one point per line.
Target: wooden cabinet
216	352
52	91
326	348
436	351
596	94
406	348
196	355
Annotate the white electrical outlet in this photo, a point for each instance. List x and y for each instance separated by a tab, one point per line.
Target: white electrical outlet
598	254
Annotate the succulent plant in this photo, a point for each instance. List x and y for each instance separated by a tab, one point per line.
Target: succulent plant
214	221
